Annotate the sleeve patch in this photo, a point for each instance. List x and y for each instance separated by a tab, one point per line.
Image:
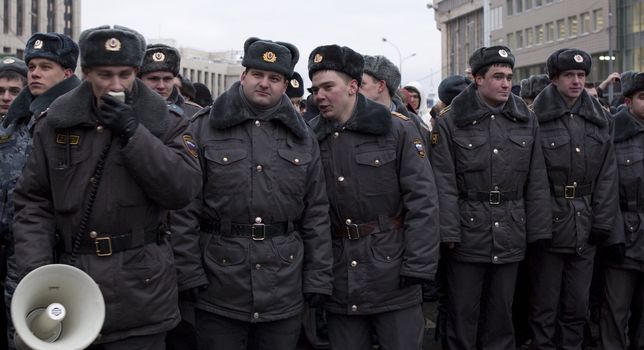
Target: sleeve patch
191	145
420	149
434	138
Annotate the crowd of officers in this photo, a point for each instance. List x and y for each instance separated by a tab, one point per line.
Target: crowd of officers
222	227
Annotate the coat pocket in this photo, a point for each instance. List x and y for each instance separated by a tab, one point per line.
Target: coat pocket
470	153
521	148
556	151
291	172
227	169
376	170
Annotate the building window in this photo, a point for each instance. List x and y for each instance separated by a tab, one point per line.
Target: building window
35	11
510	40
528	4
561	28
550	31
51	15
5	18
585	22
637	18
519	6
508	5
529	37
572	26
496	18
519	35
598	22
539	32
20	12
20	53
538	3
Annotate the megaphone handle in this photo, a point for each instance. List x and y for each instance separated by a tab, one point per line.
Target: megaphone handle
87	212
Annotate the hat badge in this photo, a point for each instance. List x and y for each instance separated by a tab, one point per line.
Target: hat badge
113	44
318	58
503	53
269	56
8	61
158	56
578	58
295	83
38	44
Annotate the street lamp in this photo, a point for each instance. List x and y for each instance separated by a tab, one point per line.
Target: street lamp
400	58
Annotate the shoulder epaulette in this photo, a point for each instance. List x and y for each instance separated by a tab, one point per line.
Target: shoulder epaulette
201	112
400	115
445	110
193	104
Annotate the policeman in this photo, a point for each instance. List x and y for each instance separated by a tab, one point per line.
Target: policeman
295	90
380	80
490	176
13	77
384	210
263	212
624	267
532	86
52	60
577	147
102	174
160	67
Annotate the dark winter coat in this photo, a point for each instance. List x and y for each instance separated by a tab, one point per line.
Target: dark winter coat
491	180
257	169
379	179
154	172
578	150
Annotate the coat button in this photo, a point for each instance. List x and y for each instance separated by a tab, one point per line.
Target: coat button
348	222
628	161
469	145
340	178
492	117
354	263
580	249
495	259
291	257
496	188
376	162
258	220
496	224
256	315
574	183
93	234
522	142
354	308
100	129
225	159
474	122
92	180
258	266
259	168
552	144
258	123
495	151
296	161
578	213
471	219
388	258
224	260
578	150
336	134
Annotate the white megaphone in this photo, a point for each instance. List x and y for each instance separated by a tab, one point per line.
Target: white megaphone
57	307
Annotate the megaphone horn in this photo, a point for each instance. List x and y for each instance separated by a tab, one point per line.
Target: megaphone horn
57	307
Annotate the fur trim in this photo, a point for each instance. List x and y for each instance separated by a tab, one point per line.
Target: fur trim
77	108
25	105
626	126
549	105
368	117
334	57
106	46
229	110
160	57
467	108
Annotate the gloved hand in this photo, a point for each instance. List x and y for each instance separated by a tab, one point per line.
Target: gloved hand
615	253
315	299
406	281
118	117
598	235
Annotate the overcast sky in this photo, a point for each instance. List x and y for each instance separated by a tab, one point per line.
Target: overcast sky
218	25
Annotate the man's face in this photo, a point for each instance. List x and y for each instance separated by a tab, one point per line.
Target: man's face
570	83
106	79
635	104
370	87
9	89
495	86
333	95
161	82
263	88
414	99
44	74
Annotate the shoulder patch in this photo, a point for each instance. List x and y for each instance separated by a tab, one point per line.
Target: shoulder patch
400	115
191	145
435	137
420	149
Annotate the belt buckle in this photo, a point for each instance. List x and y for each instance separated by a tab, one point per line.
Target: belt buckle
353	232
495	197
569	192
258	232
101	243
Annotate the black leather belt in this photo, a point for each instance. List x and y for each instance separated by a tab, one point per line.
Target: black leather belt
572	191
355	231
492	197
256	231
106	244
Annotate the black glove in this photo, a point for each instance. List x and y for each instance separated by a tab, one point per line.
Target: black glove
598	235
118	117
615	253
315	299
406	281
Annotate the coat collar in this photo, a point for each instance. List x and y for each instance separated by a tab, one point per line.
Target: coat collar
549	105
77	108
26	105
626	126
368	117
467	108
229	110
